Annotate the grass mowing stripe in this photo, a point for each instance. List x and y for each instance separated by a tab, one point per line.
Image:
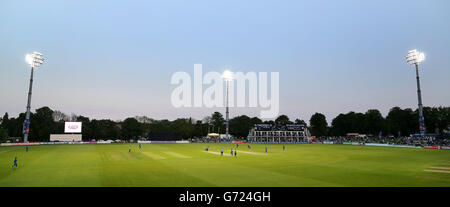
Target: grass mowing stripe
128	156
252	153
6	150
176	154
153	155
218	153
438	171
441	168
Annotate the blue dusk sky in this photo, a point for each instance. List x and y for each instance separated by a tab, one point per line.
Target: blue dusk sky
114	59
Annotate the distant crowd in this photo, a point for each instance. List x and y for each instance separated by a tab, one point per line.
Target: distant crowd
415	141
426	140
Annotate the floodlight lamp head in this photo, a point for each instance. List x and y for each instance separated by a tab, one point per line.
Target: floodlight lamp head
228	75
34	59
415	57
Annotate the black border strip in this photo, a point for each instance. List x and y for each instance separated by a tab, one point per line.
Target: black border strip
278	195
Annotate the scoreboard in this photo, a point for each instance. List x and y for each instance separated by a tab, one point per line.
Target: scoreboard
286	127
263	127
295	127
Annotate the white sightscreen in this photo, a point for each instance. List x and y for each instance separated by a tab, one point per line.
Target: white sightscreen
66	137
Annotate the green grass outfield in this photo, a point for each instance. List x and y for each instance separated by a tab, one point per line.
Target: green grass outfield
189	165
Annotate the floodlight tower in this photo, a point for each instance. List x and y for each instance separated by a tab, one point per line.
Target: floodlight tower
34	60
415	57
228	77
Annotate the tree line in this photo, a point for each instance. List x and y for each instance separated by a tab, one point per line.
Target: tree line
398	122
